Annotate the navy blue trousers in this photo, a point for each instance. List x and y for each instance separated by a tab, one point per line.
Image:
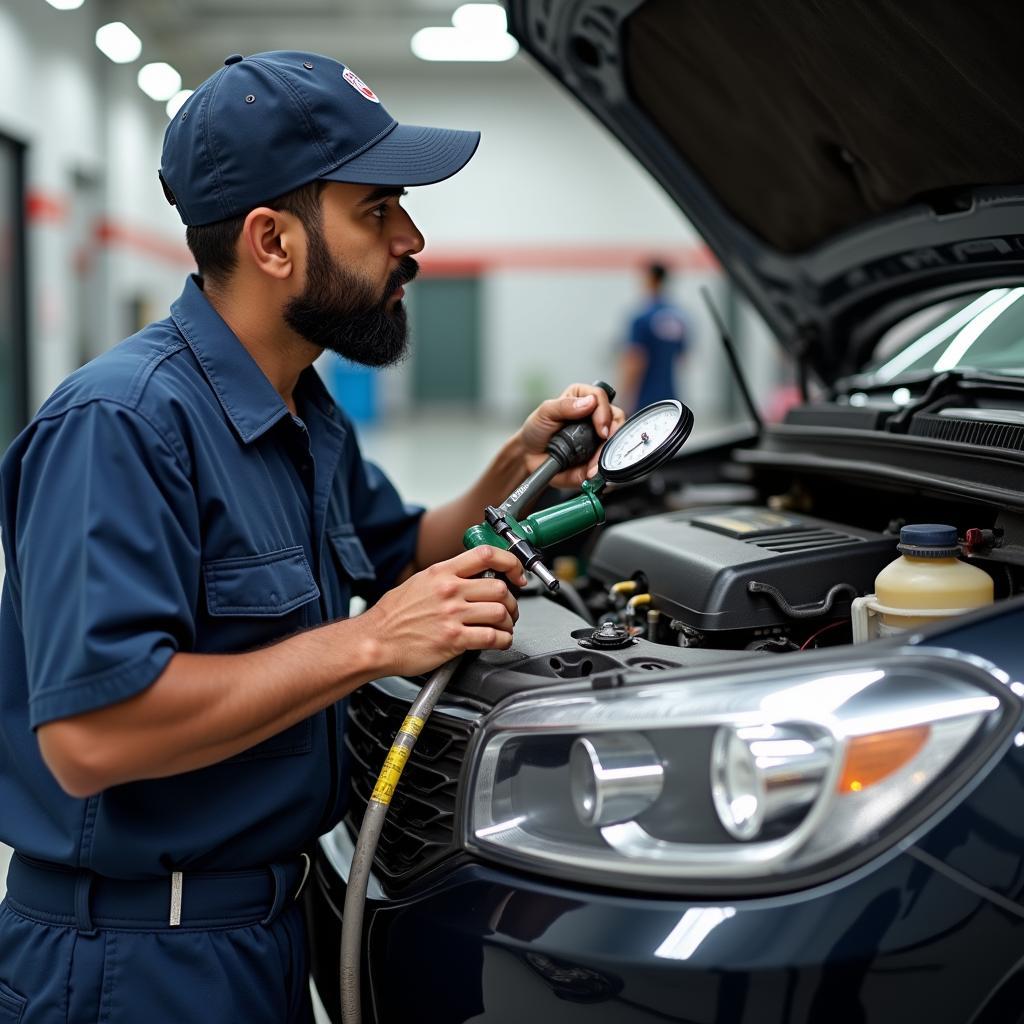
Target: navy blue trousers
58	973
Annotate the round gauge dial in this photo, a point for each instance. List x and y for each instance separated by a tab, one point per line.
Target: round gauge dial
646	440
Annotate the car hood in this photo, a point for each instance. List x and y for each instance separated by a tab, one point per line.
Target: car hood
846	162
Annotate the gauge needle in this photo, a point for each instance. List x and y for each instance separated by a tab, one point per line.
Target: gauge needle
643	440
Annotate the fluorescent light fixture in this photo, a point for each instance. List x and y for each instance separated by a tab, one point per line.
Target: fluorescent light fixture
478	33
482	18
159	81
66	5
177	101
455	44
118	42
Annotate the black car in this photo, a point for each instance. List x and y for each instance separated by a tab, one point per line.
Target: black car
726	810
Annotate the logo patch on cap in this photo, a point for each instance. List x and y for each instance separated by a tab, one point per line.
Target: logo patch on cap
359	85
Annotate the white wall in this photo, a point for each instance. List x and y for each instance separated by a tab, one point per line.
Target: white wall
547	176
79	114
49	100
545	171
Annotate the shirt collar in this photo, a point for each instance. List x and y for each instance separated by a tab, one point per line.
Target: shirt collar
249	399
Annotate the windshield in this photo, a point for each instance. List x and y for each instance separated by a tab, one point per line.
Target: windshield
979	331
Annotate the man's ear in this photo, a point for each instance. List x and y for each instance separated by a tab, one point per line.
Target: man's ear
273	241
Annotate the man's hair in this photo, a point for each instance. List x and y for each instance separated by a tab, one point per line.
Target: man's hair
213	245
657	272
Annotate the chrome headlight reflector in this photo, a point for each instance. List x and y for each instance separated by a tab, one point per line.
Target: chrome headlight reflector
765	778
614	776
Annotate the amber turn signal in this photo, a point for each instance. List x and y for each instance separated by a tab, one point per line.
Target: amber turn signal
874	757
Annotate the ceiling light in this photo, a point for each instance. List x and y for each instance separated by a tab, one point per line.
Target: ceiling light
177	101
489	18
159	81
118	42
478	32
66	5
456	44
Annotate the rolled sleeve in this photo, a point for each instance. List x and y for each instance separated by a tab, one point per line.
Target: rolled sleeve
107	552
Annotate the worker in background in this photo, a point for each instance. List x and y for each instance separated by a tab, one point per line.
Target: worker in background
184	522
658	338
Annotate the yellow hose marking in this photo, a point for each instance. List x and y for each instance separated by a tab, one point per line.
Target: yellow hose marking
412	725
387	781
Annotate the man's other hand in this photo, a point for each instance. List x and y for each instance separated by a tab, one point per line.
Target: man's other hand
445	610
576	402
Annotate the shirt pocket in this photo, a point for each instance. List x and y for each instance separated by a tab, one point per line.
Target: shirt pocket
12	1006
261	586
254	600
354	572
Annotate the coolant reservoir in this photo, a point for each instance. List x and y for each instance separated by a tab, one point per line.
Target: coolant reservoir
928	575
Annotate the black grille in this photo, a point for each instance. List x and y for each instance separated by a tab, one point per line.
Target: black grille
984	433
808	539
420	826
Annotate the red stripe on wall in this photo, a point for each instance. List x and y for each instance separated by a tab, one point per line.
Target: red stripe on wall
41	206
468	262
111	233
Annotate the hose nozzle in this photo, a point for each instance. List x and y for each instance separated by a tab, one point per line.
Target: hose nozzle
527	554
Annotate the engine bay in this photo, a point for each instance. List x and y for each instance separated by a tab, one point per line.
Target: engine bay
736	577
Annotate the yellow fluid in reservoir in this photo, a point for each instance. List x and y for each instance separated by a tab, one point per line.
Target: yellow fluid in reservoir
912	582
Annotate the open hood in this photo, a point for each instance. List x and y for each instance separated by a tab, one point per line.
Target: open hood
847	161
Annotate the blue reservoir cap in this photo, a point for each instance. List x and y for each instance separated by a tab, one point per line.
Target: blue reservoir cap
929	535
928	540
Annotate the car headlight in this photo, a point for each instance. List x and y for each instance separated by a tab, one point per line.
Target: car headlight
767	778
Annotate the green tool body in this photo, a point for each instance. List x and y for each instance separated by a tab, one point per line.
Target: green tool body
548	526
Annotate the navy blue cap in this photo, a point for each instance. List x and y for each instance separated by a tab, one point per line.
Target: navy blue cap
263	125
928	539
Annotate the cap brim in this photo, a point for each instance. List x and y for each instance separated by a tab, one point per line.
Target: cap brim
409	155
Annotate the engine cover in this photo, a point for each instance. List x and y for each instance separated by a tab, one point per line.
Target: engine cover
700	565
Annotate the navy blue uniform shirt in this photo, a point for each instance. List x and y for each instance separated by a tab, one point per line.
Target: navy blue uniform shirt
164	499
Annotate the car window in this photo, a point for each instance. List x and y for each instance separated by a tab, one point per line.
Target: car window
980	331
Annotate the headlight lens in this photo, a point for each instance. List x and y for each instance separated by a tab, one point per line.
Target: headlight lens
761	779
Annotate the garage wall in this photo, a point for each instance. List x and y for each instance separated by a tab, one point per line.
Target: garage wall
83	120
551	215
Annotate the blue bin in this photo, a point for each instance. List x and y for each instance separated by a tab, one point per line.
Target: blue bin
354	388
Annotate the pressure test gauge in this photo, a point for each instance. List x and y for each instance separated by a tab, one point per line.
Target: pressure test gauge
646	440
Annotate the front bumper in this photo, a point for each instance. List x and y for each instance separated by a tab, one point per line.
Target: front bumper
910	940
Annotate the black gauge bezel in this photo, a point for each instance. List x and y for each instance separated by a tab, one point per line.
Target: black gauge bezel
661	454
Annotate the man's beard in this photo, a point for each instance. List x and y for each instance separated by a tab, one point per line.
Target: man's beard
342	312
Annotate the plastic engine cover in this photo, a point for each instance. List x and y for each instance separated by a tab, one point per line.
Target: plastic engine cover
699	564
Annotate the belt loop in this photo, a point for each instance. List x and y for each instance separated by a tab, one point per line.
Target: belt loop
83	918
177	887
280	893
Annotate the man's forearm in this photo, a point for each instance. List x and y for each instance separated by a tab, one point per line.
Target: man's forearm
206	707
441	528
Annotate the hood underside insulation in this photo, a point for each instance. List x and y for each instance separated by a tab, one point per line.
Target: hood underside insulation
809	118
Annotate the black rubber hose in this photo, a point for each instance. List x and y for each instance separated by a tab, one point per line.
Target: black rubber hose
823	607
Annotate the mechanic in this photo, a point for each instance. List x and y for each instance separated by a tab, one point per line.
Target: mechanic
658	338
184	523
